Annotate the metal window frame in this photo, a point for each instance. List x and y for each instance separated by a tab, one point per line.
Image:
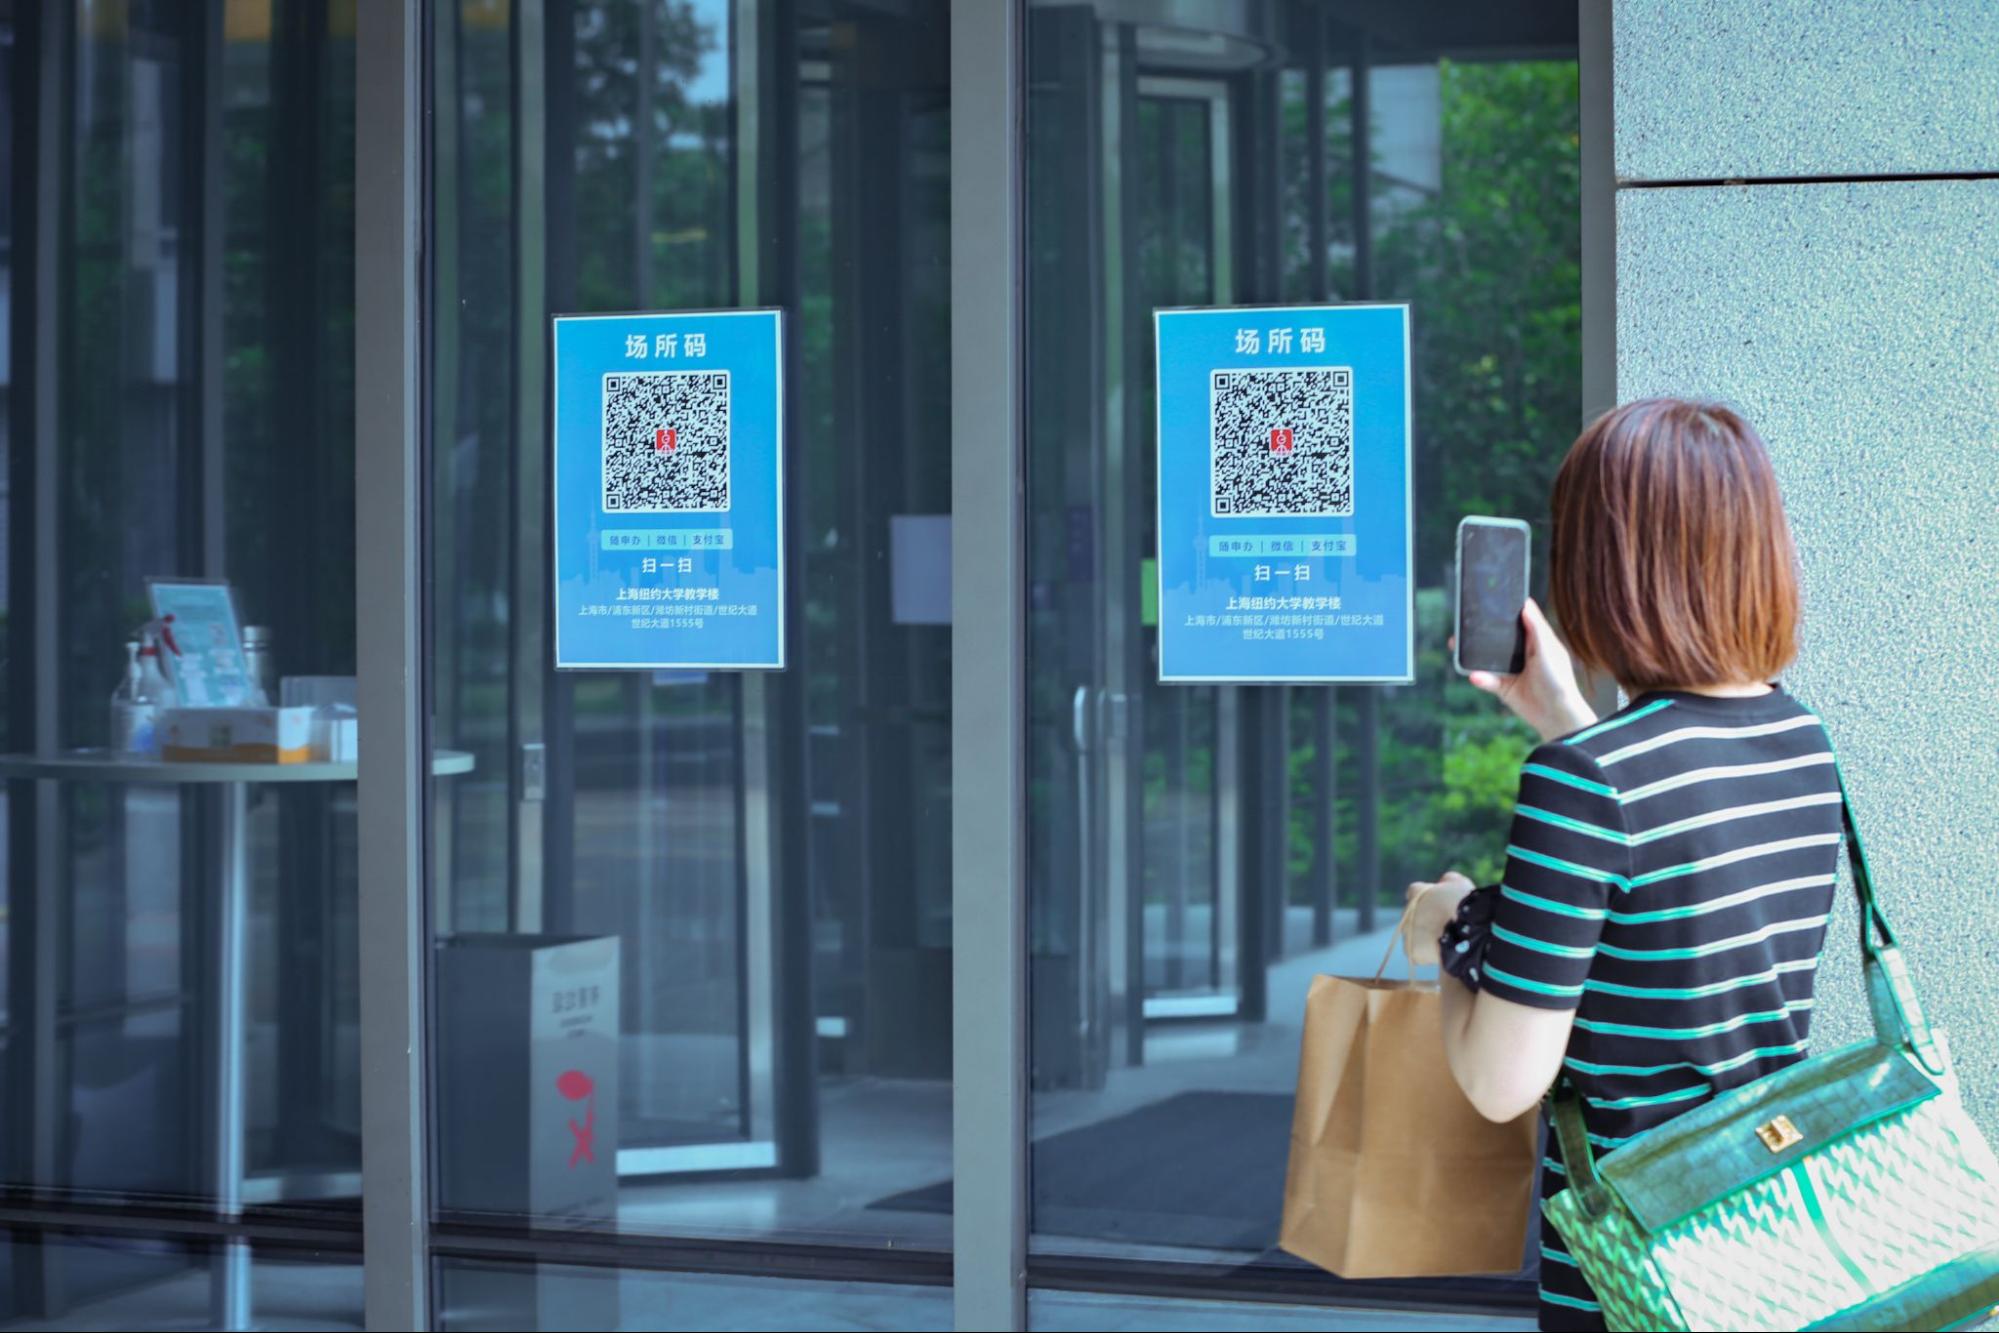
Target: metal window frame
44	46
988	678
1597	121
1599	206
393	795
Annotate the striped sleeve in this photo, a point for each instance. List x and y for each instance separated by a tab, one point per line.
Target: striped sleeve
1568	850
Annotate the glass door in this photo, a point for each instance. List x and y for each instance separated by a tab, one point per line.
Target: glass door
605	805
655	784
1180	153
1199	853
1138	795
765	855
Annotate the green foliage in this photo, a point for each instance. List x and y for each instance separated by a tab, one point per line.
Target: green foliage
683	150
1490	265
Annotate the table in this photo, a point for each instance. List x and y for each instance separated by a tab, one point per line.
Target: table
231	1289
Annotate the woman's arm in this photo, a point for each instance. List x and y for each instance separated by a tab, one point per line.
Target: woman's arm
1567	854
1504	1055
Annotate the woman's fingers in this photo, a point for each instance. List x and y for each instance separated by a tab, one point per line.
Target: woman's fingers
1541	636
1536	626
1488	681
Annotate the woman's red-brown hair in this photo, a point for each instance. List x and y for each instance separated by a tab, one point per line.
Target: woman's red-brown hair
1672	562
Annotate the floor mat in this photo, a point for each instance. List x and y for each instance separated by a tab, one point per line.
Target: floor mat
1200	1169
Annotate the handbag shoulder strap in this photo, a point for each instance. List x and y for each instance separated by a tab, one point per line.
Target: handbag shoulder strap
1565	1112
1891	997
1872	920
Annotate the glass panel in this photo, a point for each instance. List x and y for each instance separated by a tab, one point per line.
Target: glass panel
478	1296
287	398
1198	853
125	366
196	1002
769	854
129	1083
10	70
144	1283
473	434
1189	946
123	1073
658	762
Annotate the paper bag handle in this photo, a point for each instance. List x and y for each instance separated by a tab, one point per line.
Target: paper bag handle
1401	926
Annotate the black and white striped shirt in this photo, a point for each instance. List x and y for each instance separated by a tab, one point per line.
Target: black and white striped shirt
1669	877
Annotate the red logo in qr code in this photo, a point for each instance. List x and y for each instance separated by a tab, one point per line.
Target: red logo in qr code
663	440
1280	439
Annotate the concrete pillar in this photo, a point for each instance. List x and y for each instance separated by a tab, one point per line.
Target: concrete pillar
1808	227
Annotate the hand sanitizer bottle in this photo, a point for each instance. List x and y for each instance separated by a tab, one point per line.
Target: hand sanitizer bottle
257	657
133	719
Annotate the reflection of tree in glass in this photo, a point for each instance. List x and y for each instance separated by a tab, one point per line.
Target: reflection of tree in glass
287	252
1175	227
1293	147
627	134
1491	266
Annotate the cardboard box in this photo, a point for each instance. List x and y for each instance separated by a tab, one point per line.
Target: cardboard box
527	1055
316	691
236	735
333	725
334	735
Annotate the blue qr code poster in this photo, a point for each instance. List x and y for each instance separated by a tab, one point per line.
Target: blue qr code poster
668	490
1285	522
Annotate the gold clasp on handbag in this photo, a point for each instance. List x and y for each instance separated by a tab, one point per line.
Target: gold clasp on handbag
1779	1134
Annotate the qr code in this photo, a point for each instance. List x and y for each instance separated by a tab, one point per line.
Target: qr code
1282	441
666	441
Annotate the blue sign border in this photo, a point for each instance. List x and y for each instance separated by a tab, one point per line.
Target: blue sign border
1204	523
673	319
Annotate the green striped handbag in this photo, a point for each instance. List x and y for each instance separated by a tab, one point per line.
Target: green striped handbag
1848	1191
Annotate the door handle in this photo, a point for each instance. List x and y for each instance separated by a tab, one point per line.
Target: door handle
1116	716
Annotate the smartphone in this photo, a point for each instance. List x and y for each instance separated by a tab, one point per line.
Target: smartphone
1492	591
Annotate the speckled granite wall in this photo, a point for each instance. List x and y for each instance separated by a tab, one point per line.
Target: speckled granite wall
1857	324
1722	89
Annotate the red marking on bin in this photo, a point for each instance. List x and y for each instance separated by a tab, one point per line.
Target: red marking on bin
577	1086
585	1135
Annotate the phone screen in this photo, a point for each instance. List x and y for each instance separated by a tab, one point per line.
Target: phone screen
1492	589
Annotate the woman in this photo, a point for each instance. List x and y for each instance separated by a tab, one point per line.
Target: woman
1656	933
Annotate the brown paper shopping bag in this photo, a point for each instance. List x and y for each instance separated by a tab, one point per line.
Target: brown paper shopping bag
1393	1173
